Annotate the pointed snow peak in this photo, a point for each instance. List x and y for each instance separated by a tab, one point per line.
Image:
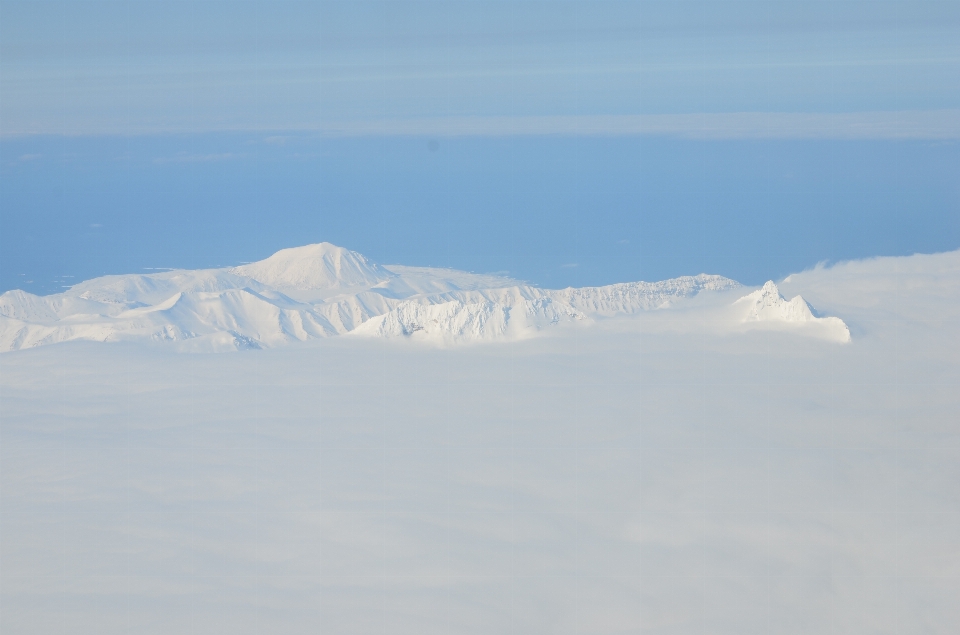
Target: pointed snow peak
319	266
769	295
766	305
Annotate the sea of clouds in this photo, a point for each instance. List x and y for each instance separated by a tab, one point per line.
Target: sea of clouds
647	473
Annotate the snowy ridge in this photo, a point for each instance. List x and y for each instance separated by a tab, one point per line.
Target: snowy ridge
520	311
318	291
767	308
632	297
457	320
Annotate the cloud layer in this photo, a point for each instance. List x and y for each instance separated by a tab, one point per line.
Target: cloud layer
641	477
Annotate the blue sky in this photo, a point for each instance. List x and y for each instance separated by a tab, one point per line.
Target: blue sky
568	143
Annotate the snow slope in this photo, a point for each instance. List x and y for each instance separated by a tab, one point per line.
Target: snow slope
318	291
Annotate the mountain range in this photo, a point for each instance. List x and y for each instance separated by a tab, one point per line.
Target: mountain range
323	290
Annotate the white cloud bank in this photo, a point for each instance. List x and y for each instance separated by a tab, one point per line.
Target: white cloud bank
647	474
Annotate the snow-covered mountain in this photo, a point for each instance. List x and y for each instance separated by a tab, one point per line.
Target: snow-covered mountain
766	308
318	291
321	267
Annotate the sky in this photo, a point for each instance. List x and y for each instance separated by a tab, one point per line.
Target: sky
564	143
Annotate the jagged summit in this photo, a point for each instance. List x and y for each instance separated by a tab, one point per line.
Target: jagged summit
766	305
315	267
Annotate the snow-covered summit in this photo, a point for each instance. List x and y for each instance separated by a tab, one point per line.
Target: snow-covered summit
768	307
766	304
315	267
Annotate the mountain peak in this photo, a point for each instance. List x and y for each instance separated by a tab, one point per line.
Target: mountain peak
768	306
315	267
770	288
